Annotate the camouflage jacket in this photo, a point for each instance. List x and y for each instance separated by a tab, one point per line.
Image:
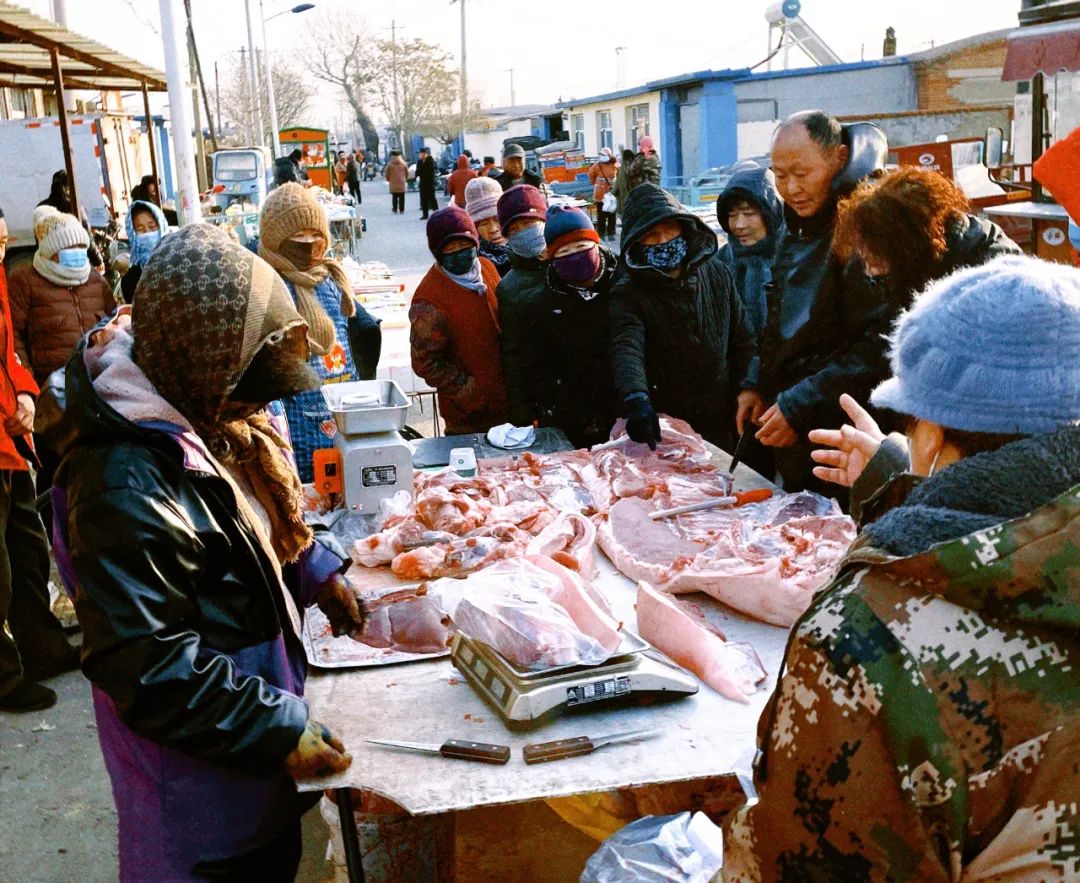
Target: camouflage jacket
927	724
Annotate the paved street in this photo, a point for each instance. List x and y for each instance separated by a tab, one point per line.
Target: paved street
57	821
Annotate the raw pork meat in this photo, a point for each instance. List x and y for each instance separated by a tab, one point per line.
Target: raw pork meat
457	513
679	630
461	555
534	612
764	559
571	540
383	547
407	621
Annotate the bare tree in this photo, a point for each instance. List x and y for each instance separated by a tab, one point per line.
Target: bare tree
445	122
291	93
340	51
414	78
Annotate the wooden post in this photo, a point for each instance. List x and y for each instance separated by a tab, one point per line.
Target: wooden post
65	136
153	146
1038	114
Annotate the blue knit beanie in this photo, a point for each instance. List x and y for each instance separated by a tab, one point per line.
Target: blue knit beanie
566	224
992	349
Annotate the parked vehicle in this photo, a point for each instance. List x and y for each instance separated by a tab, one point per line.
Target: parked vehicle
241	176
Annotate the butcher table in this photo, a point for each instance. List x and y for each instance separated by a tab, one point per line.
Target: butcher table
703	736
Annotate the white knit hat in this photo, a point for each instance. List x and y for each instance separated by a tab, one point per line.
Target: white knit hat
482	198
62	232
44	218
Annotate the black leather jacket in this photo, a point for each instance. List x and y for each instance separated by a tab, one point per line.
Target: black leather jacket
180	608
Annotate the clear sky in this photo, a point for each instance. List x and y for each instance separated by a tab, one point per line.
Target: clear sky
557	49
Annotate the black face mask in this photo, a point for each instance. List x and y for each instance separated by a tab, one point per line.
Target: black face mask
301	255
276	372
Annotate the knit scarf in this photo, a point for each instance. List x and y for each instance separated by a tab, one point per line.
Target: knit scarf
321	333
58	274
473	280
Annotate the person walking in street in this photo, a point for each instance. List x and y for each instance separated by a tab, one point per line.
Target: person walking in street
925	721
825	332
488	167
622	181
680	341
353	172
397	174
454	327
514	172
567	362
645	166
602	175
482	203
293	238
145	224
184	545
341	173
426	174
459	179
522	215
36	648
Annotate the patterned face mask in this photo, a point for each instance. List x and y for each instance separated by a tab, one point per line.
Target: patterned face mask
458	263
666	256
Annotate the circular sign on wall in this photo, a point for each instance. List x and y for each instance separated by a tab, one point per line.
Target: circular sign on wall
1053	236
927	159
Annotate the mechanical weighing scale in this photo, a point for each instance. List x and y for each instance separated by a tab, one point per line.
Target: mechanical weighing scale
370	461
526	698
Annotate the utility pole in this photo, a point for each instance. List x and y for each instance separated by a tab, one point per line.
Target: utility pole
250	99
59	15
172	39
254	77
275	146
217	95
398	99
513	98
464	74
200	144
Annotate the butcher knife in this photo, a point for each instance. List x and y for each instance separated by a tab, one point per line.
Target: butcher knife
459	749
740	448
757	495
542	752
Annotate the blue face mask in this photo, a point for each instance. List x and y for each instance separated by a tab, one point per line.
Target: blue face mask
458	263
73	258
528	242
148	241
666	256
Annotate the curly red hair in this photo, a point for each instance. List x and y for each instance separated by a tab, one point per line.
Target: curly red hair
903	219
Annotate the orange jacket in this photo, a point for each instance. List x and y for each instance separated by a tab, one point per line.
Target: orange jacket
461	176
14	381
602	177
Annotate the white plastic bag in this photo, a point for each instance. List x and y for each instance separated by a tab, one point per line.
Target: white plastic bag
682	848
509	607
609	203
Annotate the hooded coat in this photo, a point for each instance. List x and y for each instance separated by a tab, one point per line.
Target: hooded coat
926	723
397	174
566	367
684	341
461	176
517	294
189	620
751	265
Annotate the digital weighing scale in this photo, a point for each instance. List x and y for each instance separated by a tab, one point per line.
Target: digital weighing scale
524	698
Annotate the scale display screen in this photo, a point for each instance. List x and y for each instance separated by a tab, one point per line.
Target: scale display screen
378	476
597	691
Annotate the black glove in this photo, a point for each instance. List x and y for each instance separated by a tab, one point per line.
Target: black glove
642	424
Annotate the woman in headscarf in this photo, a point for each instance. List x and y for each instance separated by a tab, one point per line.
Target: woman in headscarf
145	224
294	237
181	536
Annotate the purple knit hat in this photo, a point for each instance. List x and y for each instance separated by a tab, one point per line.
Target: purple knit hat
523	201
452	222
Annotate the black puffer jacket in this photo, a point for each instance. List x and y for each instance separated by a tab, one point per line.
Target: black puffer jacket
825	330
517	293
567	369
685	341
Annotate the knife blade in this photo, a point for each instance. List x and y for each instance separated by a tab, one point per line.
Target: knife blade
740	448
458	749
543	752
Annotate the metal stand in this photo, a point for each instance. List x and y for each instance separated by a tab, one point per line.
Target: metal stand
354	859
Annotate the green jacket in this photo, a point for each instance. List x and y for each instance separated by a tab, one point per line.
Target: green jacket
927	724
517	294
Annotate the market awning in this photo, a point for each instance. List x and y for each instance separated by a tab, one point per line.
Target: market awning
1043	49
26	45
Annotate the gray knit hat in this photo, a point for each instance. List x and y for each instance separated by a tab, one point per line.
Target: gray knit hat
993	349
61	231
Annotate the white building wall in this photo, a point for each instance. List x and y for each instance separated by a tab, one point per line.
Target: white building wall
755	138
617	107
490	143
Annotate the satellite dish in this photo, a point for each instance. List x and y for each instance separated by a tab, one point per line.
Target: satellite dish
791	8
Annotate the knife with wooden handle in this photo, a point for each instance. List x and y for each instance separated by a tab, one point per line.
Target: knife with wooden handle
542	752
458	749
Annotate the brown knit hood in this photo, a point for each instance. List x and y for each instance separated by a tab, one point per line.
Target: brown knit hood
287	211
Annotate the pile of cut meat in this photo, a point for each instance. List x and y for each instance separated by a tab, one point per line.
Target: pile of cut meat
457	525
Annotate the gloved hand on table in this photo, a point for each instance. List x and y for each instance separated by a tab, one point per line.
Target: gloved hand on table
340	601
642	422
317	753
